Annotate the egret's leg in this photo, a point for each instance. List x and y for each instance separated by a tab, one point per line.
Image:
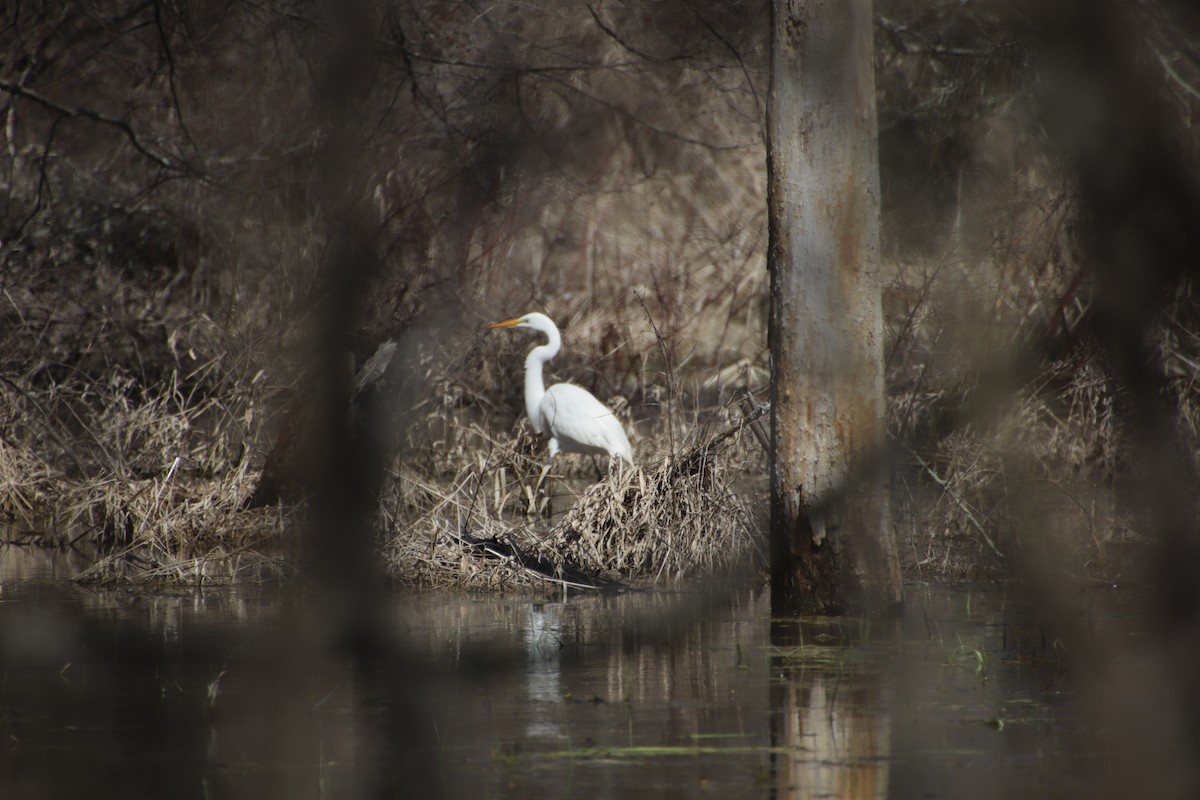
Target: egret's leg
540	488
540	493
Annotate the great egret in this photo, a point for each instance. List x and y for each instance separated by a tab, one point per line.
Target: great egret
576	421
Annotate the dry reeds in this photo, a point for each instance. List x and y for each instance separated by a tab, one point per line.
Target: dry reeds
1054	451
154	532
174	526
676	518
682	515
131	439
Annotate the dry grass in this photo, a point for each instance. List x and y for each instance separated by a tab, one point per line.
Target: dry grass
151	338
153	532
474	506
491	526
1037	451
178	525
1038	475
156	351
677	518
130	421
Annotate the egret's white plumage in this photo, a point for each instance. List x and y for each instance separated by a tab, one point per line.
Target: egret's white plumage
576	421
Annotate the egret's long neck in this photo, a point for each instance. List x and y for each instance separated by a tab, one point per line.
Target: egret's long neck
535	386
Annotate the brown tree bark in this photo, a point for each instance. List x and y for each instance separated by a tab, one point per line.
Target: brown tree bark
832	542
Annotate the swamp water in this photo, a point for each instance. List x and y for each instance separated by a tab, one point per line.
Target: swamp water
230	693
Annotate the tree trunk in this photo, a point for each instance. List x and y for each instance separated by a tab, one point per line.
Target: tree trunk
831	537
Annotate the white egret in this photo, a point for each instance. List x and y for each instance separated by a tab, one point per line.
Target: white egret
576	421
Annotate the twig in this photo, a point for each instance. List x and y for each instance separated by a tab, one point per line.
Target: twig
67	450
750	418
1173	73
751	413
616	37
87	113
670	372
958	501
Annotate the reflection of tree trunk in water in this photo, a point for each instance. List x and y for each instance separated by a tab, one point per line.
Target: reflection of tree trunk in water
829	737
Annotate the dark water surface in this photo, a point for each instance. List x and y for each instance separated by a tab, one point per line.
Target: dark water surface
239	693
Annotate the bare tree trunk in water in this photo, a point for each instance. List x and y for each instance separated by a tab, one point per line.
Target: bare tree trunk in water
831	537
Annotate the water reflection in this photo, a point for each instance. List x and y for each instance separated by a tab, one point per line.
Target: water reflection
237	694
830	727
543	644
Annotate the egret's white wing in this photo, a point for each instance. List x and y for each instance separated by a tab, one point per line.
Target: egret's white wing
581	423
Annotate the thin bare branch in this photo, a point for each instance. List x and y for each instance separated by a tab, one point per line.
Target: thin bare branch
146	150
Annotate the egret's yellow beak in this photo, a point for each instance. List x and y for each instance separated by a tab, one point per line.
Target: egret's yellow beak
508	323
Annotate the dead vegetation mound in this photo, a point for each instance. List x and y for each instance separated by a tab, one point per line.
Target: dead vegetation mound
672	519
678	516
